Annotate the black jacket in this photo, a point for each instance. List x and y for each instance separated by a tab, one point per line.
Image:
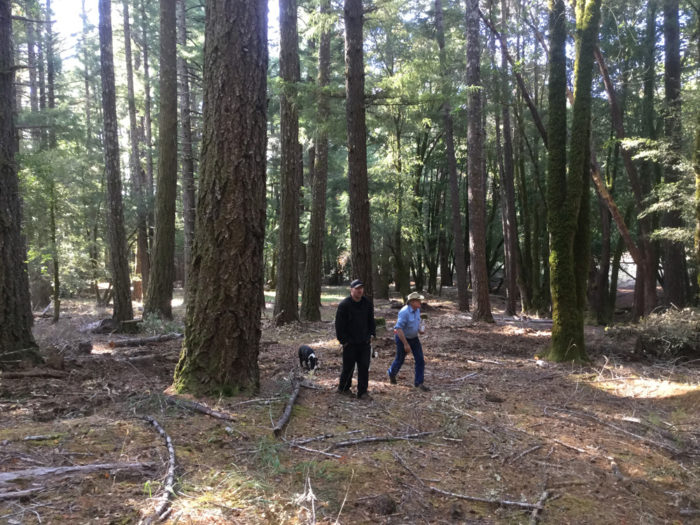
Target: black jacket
354	321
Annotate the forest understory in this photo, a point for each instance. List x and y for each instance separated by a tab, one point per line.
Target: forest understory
502	437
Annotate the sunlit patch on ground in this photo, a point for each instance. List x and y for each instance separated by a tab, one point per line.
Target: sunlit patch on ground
639	387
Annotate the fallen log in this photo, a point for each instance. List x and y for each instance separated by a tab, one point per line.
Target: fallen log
296	386
41	472
139	341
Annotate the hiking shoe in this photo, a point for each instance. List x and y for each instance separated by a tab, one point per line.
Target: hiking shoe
392	379
423	388
347	392
365	397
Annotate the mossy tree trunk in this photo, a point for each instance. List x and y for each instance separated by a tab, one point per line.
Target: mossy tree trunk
567	193
225	298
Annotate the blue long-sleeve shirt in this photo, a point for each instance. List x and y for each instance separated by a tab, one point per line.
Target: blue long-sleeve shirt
408	321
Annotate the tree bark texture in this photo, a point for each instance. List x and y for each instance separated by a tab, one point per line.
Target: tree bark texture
360	235
675	268
115	210
15	306
187	154
475	170
286	299
311	292
457	230
160	286
134	163
222	332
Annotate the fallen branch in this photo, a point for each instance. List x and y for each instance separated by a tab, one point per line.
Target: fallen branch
569	446
199	407
379	439
139	341
525	452
312	450
41	438
303	441
40	472
20	493
55	374
162	508
534	517
288	409
664	446
403	464
465	377
489	500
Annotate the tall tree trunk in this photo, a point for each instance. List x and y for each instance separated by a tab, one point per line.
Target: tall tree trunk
286	299
510	230
16	340
32	67
188	189
53	232
160	286
696	165
115	215
457	231
567	196
360	236
475	170
647	302
675	269
311	291
143	262
222	332
148	121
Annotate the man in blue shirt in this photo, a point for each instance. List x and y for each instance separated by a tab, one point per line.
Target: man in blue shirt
406	330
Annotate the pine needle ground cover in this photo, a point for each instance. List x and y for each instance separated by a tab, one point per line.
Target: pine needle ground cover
502	437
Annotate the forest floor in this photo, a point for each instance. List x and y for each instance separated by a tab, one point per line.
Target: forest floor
501	438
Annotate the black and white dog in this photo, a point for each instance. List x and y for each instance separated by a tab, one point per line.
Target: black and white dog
307	358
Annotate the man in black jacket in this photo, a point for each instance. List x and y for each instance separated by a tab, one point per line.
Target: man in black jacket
354	326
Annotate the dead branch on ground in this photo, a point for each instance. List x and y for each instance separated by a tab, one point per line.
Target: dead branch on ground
404	465
505	503
139	341
40	472
312	450
198	407
377	439
162	508
20	493
36	372
296	386
534	517
524	453
583	415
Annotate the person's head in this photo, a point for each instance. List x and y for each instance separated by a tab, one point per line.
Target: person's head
357	289
414	300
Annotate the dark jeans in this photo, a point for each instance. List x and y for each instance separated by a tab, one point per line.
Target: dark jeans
360	354
417	350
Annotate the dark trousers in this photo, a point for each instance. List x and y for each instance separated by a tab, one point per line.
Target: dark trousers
360	354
